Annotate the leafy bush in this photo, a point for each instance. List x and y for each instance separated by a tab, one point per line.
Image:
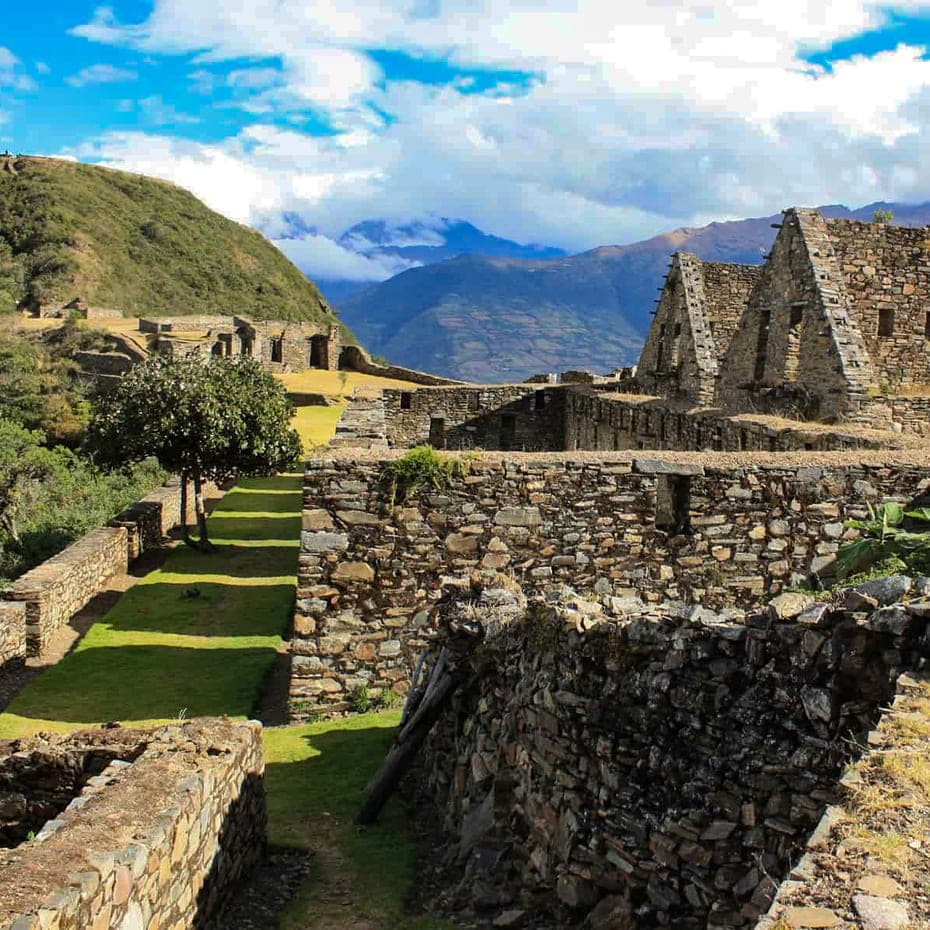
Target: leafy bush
421	467
891	536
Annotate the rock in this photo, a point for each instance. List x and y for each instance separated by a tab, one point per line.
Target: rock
663	467
613	913
324	542
817	703
803	918
510	919
460	544
316	520
815	615
894	620
518	516
885	590
879	886
357	518
495	561
880	913
353	571
575	892
477	823
790	605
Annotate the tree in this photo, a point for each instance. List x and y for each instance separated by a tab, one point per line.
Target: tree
203	419
882	216
23	462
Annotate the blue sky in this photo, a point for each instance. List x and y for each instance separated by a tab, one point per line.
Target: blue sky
568	122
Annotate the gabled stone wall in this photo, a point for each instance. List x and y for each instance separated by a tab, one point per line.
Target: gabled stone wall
887	267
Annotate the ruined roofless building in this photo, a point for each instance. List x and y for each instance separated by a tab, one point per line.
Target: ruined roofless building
834	326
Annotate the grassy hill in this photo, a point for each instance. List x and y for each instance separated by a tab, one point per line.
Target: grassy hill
138	245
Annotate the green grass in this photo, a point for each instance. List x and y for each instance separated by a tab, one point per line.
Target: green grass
316	776
161	652
139	245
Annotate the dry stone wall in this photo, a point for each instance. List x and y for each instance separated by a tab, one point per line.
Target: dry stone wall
61	586
681	528
51	593
158	839
659	767
519	417
611	422
12	633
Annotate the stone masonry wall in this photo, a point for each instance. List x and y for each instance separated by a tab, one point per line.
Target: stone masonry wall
727	288
158	840
667	765
369	578
887	267
610	422
12	633
521	417
61	586
58	588
355	358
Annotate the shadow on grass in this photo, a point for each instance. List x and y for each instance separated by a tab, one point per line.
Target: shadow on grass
247	501
316	778
236	561
288	482
145	683
198	608
234	526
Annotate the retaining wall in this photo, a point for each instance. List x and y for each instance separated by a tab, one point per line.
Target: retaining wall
681	527
674	764
158	840
61	586
12	632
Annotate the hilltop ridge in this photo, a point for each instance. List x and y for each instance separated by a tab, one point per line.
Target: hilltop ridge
136	244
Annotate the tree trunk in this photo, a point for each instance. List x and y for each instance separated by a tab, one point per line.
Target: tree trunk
201	511
185	526
8	522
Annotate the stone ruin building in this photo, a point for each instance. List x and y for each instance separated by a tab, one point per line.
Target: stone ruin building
662	732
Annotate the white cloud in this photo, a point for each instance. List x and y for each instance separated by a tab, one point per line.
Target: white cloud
645	114
101	74
323	259
11	74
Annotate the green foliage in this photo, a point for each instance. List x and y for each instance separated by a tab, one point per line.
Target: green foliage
890	538
421	467
201	419
385	699
882	216
38	390
143	246
360	699
50	497
207	419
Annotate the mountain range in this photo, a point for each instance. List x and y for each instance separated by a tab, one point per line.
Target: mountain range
496	313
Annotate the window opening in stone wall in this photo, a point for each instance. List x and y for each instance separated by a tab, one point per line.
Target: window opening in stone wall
673	504
437	432
927	324
405	400
886	322
762	345
797	317
277	349
474	402
660	352
540	400
508	431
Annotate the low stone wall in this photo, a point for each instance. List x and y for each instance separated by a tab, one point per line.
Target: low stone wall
61	586
679	527
516	416
354	358
157	840
12	633
611	422
103	363
658	767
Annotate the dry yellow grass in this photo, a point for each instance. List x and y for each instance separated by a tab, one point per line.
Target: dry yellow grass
338	383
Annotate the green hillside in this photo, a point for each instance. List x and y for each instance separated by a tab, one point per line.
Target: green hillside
138	245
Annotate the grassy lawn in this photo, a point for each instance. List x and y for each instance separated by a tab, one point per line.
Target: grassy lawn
337	383
197	637
316	776
316	425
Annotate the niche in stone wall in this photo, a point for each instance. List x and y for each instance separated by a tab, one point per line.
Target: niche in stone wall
886	322
673	504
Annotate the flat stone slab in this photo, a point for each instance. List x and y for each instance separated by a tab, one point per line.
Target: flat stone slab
880	913
662	467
